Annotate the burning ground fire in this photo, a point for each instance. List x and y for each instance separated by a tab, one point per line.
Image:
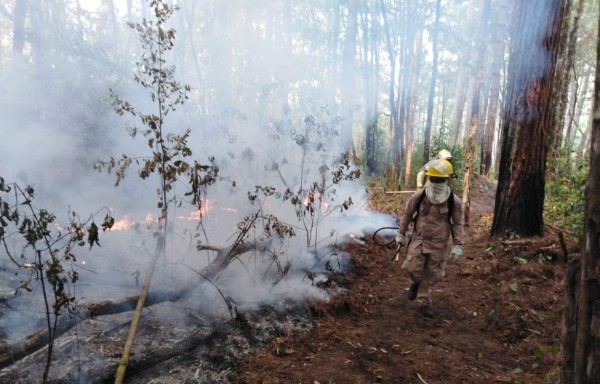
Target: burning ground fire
126	222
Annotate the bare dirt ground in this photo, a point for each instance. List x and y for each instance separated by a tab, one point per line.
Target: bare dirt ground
497	317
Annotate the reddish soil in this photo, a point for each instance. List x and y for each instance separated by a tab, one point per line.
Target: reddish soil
497	317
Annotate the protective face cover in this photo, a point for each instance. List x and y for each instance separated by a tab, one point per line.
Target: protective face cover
437	193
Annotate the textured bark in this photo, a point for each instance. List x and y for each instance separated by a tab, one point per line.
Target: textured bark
562	87
587	346
527	118
410	12
459	99
474	120
434	72
39	339
412	101
393	149
370	69
569	322
495	68
347	86
581	102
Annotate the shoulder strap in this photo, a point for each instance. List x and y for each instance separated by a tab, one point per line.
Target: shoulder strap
419	201
450	207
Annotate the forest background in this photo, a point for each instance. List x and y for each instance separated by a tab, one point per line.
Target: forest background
389	82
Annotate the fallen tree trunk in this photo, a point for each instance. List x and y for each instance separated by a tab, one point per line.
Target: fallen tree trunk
105	372
39	339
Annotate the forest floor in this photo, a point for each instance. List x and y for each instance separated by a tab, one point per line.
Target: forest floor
497	317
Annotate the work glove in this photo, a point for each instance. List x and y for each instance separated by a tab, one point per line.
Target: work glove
400	240
456	253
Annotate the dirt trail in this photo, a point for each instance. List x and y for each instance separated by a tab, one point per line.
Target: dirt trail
497	318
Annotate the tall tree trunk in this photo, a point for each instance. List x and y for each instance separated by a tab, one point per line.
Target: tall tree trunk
572	108
475	112
581	102
569	322
370	68
495	68
571	78
413	99
584	143
347	84
434	73
393	137
587	347
568	46
534	41
459	104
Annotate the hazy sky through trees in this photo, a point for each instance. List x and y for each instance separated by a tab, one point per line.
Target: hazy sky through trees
57	120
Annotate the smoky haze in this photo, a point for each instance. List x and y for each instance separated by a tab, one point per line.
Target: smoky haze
268	119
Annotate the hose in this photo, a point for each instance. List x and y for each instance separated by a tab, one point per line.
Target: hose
386	243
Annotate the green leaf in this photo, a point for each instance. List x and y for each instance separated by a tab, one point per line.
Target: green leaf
514	287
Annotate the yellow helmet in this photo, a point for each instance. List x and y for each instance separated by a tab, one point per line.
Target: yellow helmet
439	168
444	154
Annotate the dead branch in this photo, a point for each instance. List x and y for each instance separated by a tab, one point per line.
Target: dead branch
561	230
398	192
39	339
102	373
227	254
525	241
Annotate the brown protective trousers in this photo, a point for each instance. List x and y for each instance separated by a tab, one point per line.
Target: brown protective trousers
432	237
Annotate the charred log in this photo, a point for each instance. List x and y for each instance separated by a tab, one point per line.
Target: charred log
39	339
226	255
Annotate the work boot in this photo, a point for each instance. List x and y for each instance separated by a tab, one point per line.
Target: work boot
412	291
425	308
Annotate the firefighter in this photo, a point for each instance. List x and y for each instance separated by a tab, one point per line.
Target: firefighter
422	175
437	217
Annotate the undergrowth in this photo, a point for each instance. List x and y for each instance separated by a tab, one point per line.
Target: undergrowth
564	204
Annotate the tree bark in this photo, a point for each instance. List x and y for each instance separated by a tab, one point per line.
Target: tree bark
393	149
587	346
527	118
569	322
370	68
475	112
434	73
347	75
412	101
495	69
459	99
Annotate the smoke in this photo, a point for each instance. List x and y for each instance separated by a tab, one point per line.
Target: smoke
268	122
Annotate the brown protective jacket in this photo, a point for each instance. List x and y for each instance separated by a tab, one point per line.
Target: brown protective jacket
433	228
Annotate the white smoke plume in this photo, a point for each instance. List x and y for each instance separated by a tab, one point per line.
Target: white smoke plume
57	121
